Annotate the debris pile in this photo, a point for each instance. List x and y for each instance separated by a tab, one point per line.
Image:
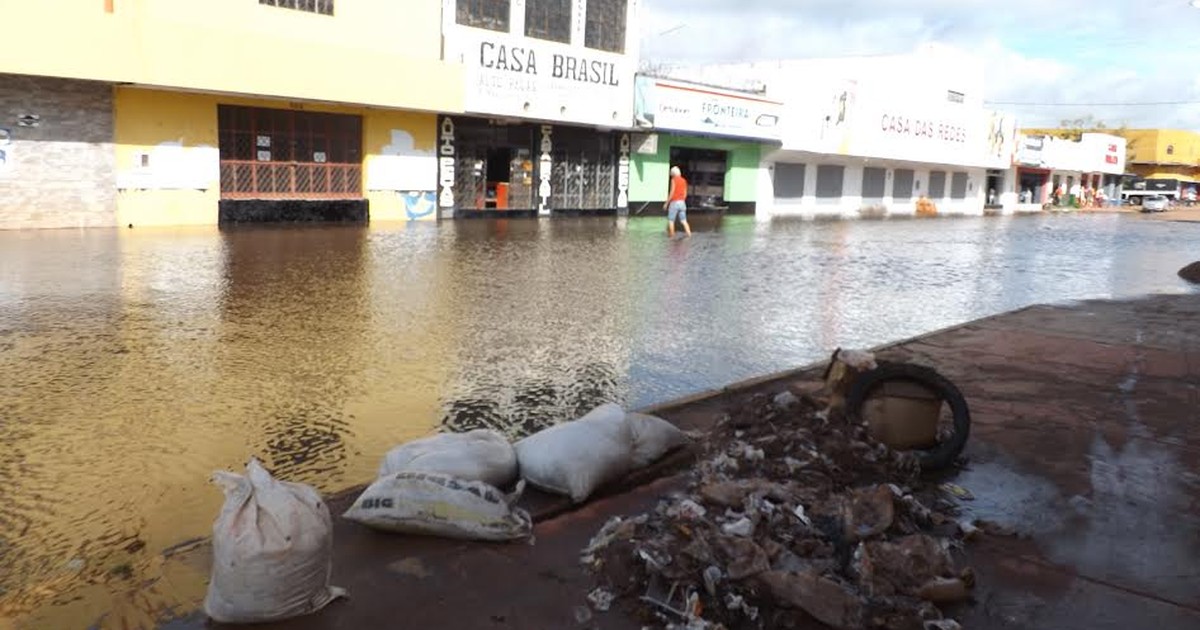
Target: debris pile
790	508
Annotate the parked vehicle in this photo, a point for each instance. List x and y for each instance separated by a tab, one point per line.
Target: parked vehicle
1155	203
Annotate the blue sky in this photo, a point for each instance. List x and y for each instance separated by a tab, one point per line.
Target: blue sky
1089	52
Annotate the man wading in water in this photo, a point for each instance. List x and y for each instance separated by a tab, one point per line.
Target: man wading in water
676	205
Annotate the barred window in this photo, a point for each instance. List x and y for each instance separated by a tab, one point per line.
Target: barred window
324	7
490	14
548	19
605	28
288	154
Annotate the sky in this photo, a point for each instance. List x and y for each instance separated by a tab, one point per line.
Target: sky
1098	57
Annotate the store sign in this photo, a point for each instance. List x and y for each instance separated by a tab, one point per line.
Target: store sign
847	119
526	77
1031	150
680	106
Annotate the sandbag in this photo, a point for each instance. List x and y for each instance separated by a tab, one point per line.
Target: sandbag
272	550
440	505
653	437
479	455
575	458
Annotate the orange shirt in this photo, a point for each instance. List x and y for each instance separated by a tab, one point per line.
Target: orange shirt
678	189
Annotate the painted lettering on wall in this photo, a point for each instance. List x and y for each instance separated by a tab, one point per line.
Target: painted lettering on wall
522	60
447	156
584	70
905	126
512	59
725	110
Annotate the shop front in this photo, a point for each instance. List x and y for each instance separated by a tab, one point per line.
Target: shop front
862	153
547	113
1083	173
715	136
489	166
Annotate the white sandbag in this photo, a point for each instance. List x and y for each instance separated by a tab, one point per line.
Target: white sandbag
440	505
272	550
479	455
653	437
576	458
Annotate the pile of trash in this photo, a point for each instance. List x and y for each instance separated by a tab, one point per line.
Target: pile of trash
791	508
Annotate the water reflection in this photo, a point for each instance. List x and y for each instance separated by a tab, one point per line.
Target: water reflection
134	363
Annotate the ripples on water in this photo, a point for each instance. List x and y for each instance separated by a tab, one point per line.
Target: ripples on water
132	364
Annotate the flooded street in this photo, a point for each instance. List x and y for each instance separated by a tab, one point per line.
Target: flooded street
134	363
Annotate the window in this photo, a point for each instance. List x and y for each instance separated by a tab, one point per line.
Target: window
789	180
829	181
873	182
937	184
1170	149
958	186
288	154
605	28
955	97
324	7
548	19
490	14
902	184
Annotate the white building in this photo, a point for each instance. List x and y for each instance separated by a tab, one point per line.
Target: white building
548	101
1043	164
886	135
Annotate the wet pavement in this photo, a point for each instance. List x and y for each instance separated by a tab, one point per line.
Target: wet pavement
1084	420
135	363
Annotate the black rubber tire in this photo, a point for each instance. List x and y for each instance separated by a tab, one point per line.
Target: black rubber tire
944	453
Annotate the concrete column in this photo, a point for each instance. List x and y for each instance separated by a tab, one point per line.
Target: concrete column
852	190
808	205
764	205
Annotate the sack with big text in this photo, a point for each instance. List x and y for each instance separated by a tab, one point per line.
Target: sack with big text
441	505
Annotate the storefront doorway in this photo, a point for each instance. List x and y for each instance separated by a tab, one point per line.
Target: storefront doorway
704	169
516	167
1031	185
995	187
493	166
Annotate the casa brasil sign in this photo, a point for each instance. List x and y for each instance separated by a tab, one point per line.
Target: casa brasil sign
520	60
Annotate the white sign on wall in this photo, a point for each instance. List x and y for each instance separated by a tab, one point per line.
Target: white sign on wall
508	75
679	106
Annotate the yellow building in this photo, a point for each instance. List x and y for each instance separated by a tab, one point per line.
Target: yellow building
1163	153
1163	161
142	112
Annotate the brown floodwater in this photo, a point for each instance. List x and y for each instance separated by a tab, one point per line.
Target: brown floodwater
133	363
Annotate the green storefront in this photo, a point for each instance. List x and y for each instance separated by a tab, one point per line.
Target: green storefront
693	129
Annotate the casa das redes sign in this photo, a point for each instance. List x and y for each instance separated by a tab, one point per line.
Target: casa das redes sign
680	106
532	78
952	134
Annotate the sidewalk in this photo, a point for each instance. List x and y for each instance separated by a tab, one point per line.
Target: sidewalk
1181	215
1085	436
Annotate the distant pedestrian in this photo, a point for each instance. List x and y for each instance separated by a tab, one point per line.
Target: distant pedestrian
676	205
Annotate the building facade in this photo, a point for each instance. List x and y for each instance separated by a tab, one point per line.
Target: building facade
147	113
858	140
1162	162
548	88
1050	170
716	137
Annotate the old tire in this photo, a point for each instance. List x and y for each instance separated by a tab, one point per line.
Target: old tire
945	452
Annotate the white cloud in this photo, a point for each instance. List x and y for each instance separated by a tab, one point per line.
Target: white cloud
1035	51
